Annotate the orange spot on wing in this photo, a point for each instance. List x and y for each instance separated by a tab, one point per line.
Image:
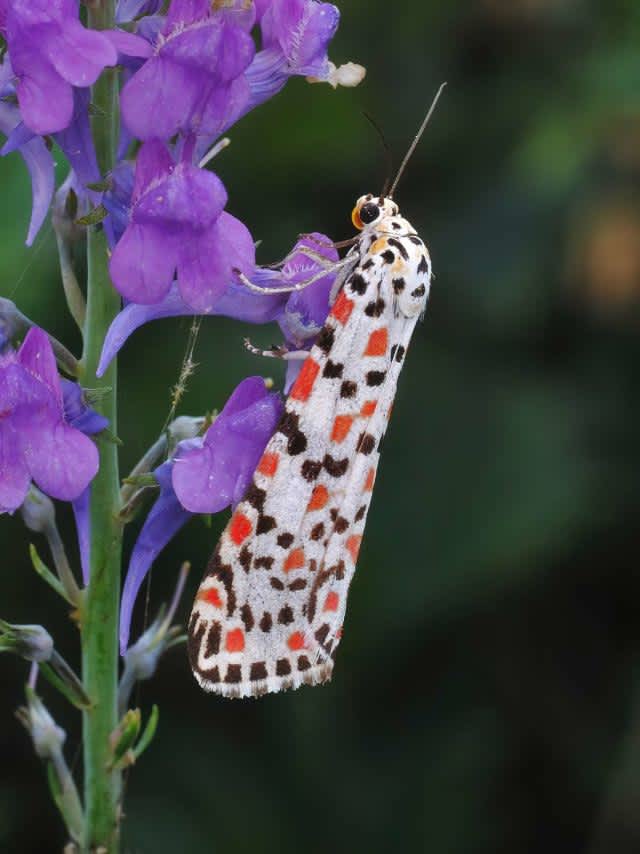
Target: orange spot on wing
239	528
368	408
331	602
294	560
378	245
371	479
303	385
268	465
353	546
377	343
235	640
341	427
296	641
211	596
319	498
342	308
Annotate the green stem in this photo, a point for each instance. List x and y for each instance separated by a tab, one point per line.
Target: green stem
100	614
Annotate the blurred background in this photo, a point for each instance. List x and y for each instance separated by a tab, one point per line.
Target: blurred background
487	693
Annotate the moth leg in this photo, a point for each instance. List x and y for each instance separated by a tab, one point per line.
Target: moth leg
276	352
300	286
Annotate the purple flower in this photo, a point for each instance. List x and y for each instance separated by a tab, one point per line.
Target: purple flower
178	224
295	40
36	441
205	476
51	52
300	314
194	82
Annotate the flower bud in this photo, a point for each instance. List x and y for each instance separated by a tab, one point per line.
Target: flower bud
31	642
47	736
38	512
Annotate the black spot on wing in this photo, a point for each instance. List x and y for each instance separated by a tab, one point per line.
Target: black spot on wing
358	284
375	378
326	339
398	245
333	370
348	389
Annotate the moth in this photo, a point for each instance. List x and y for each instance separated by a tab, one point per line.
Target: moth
269	612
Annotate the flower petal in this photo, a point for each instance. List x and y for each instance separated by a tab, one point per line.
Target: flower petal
143	262
82	517
38	160
46	100
160	98
188	196
165	519
14	474
78	54
61	459
36	356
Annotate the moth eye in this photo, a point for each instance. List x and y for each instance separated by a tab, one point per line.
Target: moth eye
369	212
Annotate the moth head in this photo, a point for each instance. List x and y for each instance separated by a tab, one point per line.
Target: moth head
370	209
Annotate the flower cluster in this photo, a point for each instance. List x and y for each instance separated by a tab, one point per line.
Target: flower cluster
188	70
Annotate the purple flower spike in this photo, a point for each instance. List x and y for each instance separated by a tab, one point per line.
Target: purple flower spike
210	478
194	82
229	452
36	441
51	52
178	224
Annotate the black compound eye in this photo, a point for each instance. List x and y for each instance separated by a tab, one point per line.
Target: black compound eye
369	212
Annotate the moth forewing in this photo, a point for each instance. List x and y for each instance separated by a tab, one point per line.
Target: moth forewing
269	612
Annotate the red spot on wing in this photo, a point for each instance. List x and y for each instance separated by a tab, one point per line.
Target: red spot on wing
235	640
268	465
377	343
294	560
368	408
239	528
353	546
341	427
331	602
296	641
211	596
303	385
319	498
371	479
342	308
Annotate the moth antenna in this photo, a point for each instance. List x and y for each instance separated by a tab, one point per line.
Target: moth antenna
387	151
416	140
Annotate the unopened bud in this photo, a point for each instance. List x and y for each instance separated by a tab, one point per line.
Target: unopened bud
46	735
38	511
185	427
31	642
68	207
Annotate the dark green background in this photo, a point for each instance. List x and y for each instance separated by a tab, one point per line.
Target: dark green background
486	694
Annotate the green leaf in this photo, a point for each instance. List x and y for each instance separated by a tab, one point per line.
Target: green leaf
100	186
149	732
45	573
94	216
